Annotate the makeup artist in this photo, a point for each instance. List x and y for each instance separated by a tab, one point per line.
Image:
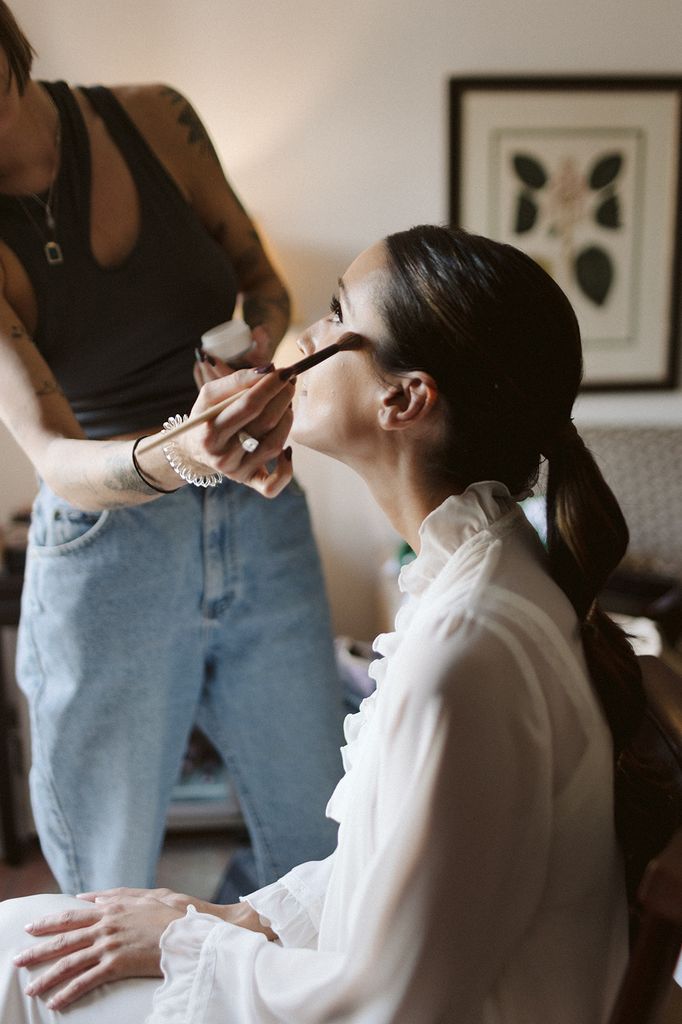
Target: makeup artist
157	595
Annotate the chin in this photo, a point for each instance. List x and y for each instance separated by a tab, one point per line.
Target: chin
310	438
300	435
303	437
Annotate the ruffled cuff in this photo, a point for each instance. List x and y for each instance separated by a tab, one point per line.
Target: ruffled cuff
291	909
187	962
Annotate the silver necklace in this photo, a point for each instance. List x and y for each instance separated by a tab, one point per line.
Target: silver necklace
51	248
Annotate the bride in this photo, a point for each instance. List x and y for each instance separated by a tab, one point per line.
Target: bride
477	876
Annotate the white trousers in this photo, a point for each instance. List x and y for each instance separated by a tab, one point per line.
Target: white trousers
121	1002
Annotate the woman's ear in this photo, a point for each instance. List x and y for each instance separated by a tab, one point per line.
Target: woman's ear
408	402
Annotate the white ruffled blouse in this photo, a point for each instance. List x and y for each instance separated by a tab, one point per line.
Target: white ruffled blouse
476	878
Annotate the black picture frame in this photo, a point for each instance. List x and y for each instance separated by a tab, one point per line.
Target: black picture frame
585	174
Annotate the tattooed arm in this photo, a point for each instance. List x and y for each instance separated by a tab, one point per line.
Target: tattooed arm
90	474
95	475
179	139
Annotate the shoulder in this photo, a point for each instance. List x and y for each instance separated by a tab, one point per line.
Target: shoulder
167	120
170	125
157	109
150	99
468	656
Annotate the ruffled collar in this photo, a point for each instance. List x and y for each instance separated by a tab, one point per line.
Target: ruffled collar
457	520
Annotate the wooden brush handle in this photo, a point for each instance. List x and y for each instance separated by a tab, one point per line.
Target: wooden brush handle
159	440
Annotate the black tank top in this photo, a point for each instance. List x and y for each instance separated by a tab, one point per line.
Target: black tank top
119	340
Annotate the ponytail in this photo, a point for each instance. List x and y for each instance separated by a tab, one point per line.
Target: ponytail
586	538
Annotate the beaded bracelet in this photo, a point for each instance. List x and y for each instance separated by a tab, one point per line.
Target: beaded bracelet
188	471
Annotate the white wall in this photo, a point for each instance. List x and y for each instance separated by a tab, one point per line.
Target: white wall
331	119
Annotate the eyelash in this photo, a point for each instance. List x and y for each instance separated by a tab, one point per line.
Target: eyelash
335	309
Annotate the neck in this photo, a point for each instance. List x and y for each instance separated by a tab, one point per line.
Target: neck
29	150
399	487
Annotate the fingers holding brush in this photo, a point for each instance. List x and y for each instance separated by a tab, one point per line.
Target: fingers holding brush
258	446
264	417
237	416
248	432
256	455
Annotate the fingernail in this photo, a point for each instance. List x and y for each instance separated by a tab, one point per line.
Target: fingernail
288	453
209	359
18	960
28	927
198	355
268	368
29	990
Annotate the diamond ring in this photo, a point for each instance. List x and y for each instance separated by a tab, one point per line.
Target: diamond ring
248	443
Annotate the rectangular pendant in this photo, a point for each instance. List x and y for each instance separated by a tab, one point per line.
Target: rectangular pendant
53	252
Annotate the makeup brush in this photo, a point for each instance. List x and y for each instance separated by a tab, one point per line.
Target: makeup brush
347	341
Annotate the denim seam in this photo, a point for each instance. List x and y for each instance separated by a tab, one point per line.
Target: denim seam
235	772
69	847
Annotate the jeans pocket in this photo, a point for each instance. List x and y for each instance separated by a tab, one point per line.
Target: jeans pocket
58	527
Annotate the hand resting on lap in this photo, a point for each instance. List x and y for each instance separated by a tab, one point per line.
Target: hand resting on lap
116	935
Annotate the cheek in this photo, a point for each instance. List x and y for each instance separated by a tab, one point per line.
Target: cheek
7	115
312	409
319	412
331	406
9	107
316	389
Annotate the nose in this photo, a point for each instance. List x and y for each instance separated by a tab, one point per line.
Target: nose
305	342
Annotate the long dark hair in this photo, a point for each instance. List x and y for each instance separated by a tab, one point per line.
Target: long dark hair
502	342
16	46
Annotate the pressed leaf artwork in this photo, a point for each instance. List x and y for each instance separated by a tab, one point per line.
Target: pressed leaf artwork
526	213
605	170
561	201
530	171
608	213
594	272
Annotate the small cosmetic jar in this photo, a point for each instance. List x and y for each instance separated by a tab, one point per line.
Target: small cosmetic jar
229	341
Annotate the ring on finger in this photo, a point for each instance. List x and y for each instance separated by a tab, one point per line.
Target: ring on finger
248	443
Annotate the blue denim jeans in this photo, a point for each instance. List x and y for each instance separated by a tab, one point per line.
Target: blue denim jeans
204	606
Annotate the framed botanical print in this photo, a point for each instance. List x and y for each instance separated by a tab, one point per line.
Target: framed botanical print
583	174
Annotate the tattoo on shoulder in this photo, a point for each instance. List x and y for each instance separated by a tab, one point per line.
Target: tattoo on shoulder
17	332
189	119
